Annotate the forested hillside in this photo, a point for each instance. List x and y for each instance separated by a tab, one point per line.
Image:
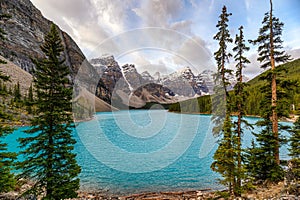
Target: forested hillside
254	96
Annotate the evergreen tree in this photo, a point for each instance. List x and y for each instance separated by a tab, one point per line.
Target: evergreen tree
224	155
48	156
7	180
29	100
270	52
17	93
240	98
261	163
221	95
295	150
266	166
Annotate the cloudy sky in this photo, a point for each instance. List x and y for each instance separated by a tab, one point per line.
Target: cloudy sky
165	35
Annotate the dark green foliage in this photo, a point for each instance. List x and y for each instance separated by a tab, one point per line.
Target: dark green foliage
269	53
221	55
17	93
3	88
295	150
221	96
224	156
264	41
224	162
199	105
152	105
289	72
261	163
7	180
47	150
295	140
240	97
29	100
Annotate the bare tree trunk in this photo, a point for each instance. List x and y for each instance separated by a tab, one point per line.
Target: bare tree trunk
274	89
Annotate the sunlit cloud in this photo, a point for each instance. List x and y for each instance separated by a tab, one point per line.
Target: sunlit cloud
92	22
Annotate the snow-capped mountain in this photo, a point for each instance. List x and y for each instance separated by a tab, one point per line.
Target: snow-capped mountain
133	78
207	77
147	76
144	87
184	83
110	74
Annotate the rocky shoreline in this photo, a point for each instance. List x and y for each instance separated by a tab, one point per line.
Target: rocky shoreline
178	195
267	192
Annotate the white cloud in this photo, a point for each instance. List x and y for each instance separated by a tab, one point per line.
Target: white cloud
140	60
159	13
183	26
295	53
91	22
194	52
253	69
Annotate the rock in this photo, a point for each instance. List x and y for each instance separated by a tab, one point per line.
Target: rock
111	78
147	77
184	83
9	195
25	33
134	79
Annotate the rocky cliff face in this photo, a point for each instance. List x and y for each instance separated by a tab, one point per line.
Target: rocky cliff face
134	79
126	86
25	33
110	77
129	84
184	83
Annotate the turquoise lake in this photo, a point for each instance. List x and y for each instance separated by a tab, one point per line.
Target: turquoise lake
144	151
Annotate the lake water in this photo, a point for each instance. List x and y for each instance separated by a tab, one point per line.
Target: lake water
144	151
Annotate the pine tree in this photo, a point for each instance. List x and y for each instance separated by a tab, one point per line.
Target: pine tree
266	167
17	93
224	155
221	95
49	159
7	179
270	52
240	98
29	100
295	150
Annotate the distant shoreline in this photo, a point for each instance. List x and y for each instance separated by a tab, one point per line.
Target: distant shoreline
292	118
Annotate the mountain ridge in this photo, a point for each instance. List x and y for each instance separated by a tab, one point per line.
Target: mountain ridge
25	32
